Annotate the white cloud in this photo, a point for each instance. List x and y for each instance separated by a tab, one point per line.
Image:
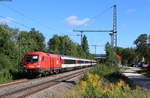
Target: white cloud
131	10
7	20
73	20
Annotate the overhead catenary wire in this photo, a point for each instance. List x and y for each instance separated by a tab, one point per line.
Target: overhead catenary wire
16	22
21	24
28	17
93	18
112	2
113	33
95	46
101	13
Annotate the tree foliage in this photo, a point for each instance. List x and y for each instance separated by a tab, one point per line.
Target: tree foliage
13	46
15	43
128	55
7	41
65	46
143	48
85	44
111	57
135	55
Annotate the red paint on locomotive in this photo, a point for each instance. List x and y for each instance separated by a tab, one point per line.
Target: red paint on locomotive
41	61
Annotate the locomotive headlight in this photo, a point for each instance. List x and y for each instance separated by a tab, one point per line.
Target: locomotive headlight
38	65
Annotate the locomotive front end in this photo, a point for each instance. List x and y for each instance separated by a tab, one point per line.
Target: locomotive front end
31	63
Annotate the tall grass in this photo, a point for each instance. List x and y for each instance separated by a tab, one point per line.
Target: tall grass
105	82
96	87
5	76
8	69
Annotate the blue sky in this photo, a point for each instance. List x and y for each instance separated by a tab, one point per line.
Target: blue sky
62	16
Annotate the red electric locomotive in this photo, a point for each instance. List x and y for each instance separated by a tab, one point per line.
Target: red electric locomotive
37	63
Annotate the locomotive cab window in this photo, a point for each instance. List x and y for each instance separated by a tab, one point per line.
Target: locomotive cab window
32	58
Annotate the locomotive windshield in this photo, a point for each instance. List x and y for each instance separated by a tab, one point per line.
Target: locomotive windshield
32	58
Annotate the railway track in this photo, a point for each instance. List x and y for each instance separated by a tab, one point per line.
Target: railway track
13	82
20	81
29	90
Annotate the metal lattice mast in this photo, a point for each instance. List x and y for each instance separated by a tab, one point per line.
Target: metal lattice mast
111	39
95	46
81	31
115	25
113	33
81	37
149	39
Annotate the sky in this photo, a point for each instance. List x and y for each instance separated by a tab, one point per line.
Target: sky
62	16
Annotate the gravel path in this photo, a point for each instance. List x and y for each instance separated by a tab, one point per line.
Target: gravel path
139	79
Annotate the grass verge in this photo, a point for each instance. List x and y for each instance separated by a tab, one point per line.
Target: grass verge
105	82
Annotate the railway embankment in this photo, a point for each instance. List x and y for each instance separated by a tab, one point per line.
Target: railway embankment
62	88
105	82
35	86
100	81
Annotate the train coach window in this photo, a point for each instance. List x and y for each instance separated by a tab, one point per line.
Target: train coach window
32	58
80	62
69	61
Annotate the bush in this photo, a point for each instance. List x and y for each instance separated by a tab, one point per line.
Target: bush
95	87
105	82
5	62
6	68
5	75
104	70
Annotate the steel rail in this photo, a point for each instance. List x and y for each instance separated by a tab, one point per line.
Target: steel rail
40	86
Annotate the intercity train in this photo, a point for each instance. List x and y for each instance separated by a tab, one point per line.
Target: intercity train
41	63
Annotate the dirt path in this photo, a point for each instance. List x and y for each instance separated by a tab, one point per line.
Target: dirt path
139	79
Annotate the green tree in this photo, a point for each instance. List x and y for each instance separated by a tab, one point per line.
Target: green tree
29	41
62	45
54	44
38	38
111	57
13	46
142	47
5	62
85	44
8	47
128	55
7	41
65	46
